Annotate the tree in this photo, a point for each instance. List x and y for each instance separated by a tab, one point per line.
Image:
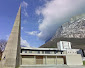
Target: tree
2	46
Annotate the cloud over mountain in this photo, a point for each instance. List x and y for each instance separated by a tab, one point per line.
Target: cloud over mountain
55	13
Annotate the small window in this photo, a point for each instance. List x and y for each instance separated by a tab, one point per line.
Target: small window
30	51
38	52
47	52
55	52
25	51
42	52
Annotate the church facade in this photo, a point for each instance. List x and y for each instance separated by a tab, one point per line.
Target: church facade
51	56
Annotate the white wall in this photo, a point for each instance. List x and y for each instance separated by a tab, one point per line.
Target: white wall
64	45
74	59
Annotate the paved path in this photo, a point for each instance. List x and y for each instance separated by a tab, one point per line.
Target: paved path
52	66
0	63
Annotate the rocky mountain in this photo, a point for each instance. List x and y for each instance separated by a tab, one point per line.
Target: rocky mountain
73	31
77	43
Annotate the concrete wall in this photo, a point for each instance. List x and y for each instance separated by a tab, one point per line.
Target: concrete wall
63	45
72	51
44	60
74	59
51	60
64	52
28	60
60	60
31	60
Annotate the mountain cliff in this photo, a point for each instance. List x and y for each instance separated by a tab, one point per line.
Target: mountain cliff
73	31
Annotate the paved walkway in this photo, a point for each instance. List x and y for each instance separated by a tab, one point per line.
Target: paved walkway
52	66
0	63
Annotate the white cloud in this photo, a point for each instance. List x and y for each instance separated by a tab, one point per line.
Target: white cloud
24	6
22	28
24	43
38	11
25	13
56	12
32	33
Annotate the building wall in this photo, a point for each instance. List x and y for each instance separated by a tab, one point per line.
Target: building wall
71	58
63	45
33	60
28	60
64	52
74	59
60	60
44	60
36	52
72	51
51	60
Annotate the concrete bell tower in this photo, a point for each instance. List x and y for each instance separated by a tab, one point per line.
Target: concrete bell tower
11	55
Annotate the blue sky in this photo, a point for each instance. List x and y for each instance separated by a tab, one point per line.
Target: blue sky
39	18
8	11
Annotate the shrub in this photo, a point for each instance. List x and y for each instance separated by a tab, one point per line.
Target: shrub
83	62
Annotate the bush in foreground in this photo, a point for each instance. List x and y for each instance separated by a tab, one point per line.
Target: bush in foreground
83	62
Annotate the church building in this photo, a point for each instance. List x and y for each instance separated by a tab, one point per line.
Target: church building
63	55
15	56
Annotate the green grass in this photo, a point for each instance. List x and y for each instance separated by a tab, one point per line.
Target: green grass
83	62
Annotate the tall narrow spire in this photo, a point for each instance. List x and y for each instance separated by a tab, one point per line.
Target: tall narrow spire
11	55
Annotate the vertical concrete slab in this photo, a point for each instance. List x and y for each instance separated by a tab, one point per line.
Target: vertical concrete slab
11	55
74	59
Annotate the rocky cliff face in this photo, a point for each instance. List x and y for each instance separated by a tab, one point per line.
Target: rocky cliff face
75	28
72	31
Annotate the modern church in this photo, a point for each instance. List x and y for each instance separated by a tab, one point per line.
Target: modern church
15	56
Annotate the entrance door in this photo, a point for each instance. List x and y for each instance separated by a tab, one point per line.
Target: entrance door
39	59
